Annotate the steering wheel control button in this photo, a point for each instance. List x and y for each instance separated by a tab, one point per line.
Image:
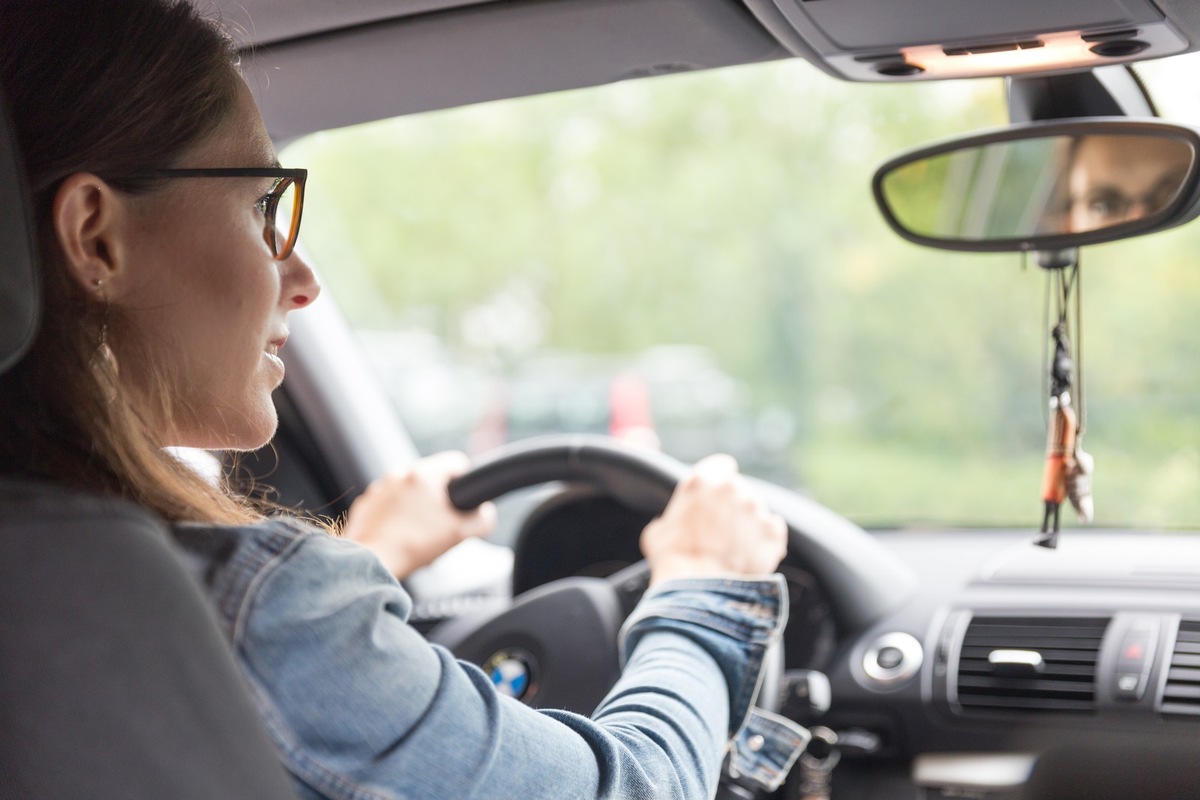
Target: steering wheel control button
513	673
892	659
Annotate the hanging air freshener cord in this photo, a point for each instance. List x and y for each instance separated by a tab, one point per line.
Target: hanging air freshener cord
1067	469
1079	478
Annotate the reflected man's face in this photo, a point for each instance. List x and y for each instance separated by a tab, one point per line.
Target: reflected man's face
1117	179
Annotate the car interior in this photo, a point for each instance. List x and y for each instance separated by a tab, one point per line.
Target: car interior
931	659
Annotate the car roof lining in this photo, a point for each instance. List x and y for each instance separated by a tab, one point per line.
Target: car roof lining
1186	16
375	59
262	22
492	51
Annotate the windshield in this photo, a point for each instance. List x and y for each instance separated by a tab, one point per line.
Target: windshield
695	262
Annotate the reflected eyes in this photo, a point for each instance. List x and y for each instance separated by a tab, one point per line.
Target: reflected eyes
1108	202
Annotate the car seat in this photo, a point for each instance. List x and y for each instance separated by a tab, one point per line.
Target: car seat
115	681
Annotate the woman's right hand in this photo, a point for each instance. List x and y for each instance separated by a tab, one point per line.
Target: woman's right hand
714	526
406	517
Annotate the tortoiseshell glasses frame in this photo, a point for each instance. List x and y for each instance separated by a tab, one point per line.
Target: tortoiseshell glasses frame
287	181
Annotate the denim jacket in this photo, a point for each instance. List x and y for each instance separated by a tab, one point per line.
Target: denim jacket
361	707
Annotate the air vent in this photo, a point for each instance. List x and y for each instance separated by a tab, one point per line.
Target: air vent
1182	692
1030	664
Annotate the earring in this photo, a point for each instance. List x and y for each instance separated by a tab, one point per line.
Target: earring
98	285
104	356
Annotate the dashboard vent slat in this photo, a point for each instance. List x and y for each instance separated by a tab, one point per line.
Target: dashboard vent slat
1181	695
1004	632
1183	660
1051	654
1060	679
1005	686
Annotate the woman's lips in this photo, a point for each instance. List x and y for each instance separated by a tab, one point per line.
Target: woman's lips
271	351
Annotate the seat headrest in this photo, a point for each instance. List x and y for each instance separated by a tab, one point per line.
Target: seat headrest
20	283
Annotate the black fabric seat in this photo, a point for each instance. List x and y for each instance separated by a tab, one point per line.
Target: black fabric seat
115	681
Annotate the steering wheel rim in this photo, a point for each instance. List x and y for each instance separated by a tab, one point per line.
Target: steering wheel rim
861	578
642	479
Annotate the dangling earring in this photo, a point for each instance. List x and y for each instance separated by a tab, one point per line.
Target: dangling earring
104	353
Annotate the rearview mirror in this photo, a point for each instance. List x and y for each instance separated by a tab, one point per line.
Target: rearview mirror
1043	186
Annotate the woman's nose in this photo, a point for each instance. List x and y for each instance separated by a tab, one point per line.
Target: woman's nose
300	286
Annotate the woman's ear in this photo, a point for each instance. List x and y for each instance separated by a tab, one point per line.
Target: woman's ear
91	222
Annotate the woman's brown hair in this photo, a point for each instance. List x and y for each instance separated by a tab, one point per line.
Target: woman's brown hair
116	88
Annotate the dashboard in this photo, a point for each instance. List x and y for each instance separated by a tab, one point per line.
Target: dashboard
1008	648
1008	666
1006	626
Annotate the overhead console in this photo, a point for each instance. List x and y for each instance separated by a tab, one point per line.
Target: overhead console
899	40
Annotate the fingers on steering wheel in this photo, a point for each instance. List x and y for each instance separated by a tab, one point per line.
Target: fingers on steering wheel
718	465
479	522
448	463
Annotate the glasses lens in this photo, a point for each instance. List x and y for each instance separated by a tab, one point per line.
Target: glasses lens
287	217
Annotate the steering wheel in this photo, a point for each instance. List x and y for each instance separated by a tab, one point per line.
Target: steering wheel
556	645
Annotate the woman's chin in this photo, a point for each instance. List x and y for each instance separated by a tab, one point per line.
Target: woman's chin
240	432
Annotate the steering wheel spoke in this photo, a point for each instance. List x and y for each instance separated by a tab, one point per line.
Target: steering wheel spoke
555	647
630	584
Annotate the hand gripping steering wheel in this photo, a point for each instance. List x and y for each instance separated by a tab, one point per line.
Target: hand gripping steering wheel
556	645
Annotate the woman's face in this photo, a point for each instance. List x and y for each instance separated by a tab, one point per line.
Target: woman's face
206	299
1116	179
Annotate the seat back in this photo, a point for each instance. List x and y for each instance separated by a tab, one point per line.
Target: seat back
19	282
115	681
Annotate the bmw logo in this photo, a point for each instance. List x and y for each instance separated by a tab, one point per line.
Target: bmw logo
513	673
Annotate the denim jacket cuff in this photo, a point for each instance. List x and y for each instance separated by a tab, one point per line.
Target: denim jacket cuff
734	619
764	750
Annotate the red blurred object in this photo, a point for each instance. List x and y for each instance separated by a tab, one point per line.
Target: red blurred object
630	415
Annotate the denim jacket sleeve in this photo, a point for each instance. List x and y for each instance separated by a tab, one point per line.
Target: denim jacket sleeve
362	707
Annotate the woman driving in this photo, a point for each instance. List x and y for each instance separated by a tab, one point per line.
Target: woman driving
167	231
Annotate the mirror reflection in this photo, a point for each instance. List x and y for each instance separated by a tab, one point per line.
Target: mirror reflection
1038	186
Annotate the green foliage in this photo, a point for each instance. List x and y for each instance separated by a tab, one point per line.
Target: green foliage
732	210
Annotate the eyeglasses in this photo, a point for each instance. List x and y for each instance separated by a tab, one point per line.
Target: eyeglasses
281	206
1109	203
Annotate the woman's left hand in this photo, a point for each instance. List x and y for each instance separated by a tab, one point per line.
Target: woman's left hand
406	517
